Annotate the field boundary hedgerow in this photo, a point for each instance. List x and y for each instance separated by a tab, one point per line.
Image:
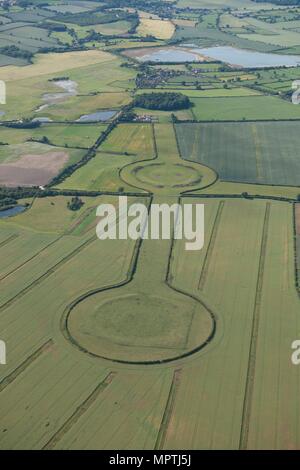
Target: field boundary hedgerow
242	196
223	121
261	184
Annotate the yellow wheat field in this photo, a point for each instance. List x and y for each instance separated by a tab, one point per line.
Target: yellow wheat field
55	62
161	29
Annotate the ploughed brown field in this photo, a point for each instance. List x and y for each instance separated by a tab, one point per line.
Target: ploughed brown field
32	170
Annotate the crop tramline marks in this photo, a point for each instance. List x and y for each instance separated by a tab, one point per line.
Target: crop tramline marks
245	423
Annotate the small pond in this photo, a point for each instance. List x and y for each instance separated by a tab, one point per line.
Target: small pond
98	116
11	212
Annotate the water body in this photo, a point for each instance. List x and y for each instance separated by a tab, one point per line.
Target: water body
70	89
174	54
249	59
42	119
40	108
227	54
11	212
98	116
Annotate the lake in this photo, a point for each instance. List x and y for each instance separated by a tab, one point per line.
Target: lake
11	212
249	59
227	54
168	54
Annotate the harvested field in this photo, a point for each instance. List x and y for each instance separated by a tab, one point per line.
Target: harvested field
51	63
32	170
161	29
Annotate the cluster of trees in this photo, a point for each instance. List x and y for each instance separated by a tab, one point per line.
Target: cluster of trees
162	9
162	101
128	116
91	36
42	140
75	204
15	193
58	79
7	202
24	124
60	28
14	51
135	21
87	19
24	3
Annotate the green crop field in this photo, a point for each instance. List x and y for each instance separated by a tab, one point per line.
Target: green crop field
7	60
133	139
254	224
64	135
264	226
179	334
118	27
244	108
251	152
100	174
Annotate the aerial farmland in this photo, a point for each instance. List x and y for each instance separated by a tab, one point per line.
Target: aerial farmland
137	342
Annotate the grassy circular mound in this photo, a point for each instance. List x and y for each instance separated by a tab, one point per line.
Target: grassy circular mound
161	175
134	327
